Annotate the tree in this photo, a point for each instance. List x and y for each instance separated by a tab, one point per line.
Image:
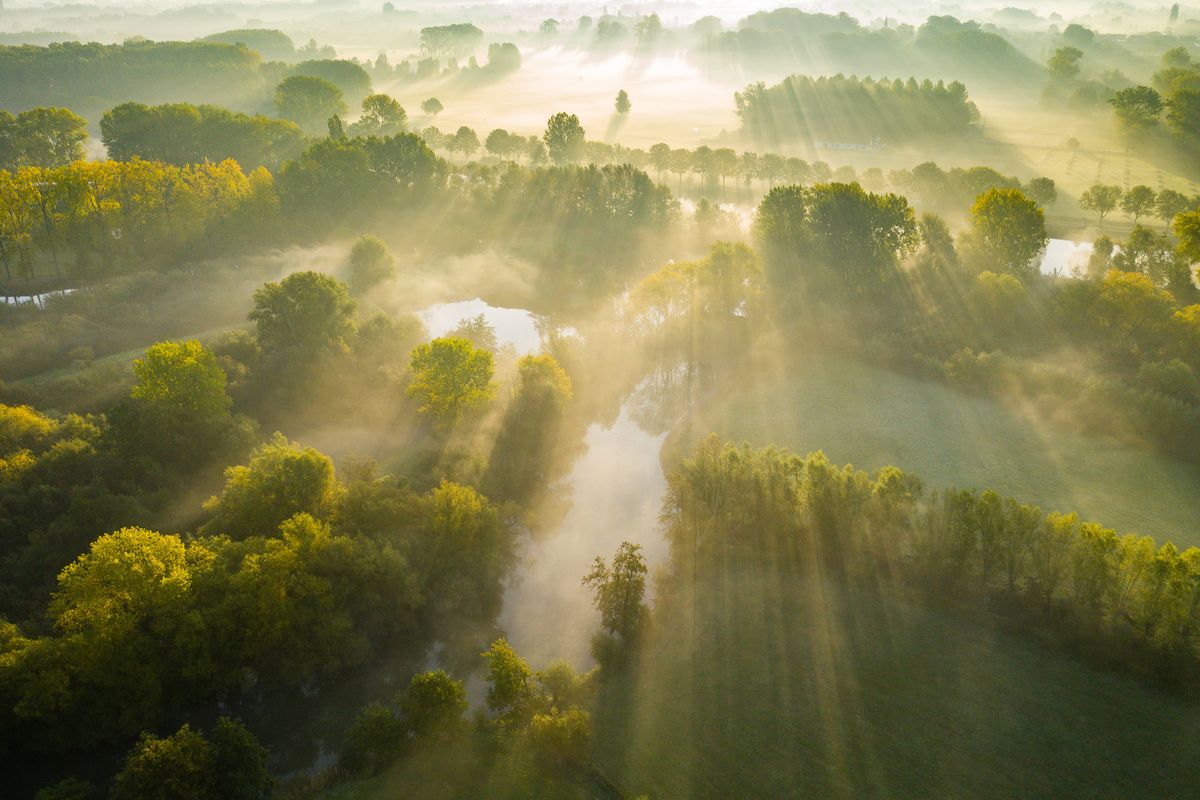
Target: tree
622	103
564	138
1043	191
179	766
1138	201
432	106
309	101
375	739
648	28
1011	230
458	39
509	686
1101	198
530	429
1064	64
681	163
183	380
42	137
834	235
282	479
433	705
306	312
450	378
381	116
229	765
132	578
562	737
549	27
660	157
371	263
1138	107
478	331
239	762
465	141
68	789
1169	203
618	591
502	144
1187	230
1183	115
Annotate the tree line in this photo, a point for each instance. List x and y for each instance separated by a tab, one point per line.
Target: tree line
1122	600
802	108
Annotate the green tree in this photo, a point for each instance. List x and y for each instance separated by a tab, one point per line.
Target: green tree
381	116
510	687
306	312
375	739
618	591
839	235
179	766
1138	201
1187	230
464	141
450	378
309	101
230	765
562	737
45	137
183	379
239	762
478	331
1169	203
1064	64
1101	198
501	143
281	480
660	157
371	263
1183	115
1043	191
564	138
432	106
622	103
1137	108
1010	230
68	789
433	705
525	444
129	578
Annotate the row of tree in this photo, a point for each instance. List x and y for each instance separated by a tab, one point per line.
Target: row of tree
850	110
98	216
728	504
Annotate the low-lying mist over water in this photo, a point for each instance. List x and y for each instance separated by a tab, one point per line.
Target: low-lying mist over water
509	400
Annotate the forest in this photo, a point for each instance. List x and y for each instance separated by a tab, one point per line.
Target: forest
454	401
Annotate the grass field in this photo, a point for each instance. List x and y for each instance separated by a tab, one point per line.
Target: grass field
801	688
871	417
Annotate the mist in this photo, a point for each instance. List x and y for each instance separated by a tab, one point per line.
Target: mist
572	400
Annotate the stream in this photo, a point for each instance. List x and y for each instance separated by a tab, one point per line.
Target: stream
615	490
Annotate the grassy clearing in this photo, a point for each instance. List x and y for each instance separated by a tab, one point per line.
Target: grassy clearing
871	417
802	688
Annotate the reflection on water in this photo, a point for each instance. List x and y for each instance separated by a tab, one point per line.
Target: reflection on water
1065	258
616	491
514	326
37	300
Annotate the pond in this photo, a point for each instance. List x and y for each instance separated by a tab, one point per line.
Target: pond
1065	258
513	326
